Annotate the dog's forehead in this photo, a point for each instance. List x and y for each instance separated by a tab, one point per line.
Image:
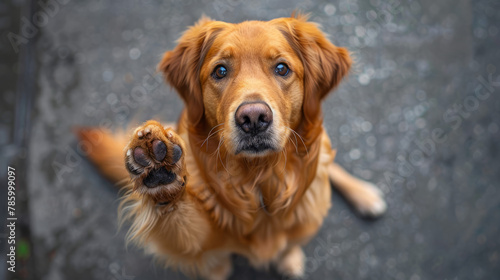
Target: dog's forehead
253	29
261	38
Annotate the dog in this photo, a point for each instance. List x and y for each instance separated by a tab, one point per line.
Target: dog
248	167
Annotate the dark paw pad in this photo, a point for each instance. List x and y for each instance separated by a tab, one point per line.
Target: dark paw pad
140	156
159	150
177	153
158	177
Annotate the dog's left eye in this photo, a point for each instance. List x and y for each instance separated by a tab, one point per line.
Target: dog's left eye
282	69
219	72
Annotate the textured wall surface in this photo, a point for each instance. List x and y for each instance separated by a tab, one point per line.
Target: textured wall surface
419	116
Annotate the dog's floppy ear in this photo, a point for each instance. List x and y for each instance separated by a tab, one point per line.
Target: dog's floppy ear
324	63
181	66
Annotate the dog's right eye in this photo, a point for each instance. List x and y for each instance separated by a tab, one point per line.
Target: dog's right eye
282	69
219	72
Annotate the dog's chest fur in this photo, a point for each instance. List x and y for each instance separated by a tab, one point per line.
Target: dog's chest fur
261	215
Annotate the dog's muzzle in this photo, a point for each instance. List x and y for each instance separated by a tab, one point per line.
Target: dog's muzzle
254	120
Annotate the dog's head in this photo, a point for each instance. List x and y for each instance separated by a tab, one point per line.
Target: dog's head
254	83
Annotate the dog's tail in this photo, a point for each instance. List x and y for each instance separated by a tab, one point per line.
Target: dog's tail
106	151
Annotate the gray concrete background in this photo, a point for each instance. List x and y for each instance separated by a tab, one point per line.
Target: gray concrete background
422	67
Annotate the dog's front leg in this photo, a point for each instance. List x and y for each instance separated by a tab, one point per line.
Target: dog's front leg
167	219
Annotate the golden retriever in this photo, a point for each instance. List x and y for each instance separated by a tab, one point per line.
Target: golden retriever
248	168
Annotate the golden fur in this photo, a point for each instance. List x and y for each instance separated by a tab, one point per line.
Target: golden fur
263	206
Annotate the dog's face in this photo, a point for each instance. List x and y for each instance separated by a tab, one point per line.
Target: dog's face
254	82
252	87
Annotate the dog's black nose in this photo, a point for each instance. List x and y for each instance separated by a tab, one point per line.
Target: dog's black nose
253	117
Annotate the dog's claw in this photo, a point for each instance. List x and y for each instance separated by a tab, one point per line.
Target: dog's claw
133	170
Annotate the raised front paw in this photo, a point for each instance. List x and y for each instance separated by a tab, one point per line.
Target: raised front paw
154	158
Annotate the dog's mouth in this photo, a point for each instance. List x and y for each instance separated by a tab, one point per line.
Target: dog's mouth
255	145
255	129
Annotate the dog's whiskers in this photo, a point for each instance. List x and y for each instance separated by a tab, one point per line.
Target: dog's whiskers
294	143
221	141
284	154
210	134
300	137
